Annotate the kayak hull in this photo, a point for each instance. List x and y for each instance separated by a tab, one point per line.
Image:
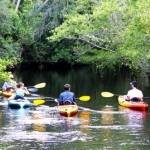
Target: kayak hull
19	103
7	94
68	110
133	105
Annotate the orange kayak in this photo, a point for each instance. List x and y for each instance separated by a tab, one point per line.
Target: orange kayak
7	94
134	105
68	110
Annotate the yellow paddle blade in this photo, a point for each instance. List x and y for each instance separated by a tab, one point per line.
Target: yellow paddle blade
38	101
40	85
107	94
84	98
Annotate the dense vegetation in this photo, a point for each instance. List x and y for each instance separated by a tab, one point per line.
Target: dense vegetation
108	34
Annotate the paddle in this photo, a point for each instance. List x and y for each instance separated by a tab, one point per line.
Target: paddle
108	94
36	87
33	88
40	101
84	98
40	85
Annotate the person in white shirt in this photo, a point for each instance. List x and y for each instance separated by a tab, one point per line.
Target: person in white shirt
21	90
134	94
10	85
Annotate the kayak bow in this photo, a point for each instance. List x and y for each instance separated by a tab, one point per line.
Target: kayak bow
68	110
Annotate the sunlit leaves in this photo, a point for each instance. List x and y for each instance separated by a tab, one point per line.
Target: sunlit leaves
3	66
105	33
120	26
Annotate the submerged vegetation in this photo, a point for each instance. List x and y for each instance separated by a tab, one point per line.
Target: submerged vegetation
108	34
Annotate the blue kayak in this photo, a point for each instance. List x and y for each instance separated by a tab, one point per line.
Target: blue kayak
19	103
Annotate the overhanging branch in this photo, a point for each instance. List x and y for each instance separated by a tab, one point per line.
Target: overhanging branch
90	43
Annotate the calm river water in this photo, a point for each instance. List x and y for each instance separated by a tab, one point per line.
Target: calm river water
101	124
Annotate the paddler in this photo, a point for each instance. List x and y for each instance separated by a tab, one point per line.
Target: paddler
21	90
66	97
134	94
10	85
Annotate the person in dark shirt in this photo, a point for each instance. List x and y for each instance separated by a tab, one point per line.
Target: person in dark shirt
66	97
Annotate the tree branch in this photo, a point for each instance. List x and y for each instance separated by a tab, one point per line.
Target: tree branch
92	44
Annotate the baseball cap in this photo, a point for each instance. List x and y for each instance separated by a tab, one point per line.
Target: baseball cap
134	83
67	86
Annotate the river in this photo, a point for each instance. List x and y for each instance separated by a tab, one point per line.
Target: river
101	124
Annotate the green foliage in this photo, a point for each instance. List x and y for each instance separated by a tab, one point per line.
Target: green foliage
121	28
3	66
9	46
108	34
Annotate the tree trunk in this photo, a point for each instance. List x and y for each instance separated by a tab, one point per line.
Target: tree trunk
18	3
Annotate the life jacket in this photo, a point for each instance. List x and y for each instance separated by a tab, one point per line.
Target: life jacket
135	99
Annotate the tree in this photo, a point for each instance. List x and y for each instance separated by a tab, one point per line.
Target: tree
115	32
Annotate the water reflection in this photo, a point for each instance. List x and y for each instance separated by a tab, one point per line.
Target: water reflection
4	101
133	118
98	127
85	121
107	115
38	119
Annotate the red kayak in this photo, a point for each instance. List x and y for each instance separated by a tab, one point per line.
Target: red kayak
134	105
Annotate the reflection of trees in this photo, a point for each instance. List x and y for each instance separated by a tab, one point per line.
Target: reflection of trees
107	116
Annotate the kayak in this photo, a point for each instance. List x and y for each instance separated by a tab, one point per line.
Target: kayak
7	94
134	105
18	103
68	110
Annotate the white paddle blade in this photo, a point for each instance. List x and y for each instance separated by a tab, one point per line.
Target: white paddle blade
40	85
107	94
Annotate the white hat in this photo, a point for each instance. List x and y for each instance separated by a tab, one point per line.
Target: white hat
11	76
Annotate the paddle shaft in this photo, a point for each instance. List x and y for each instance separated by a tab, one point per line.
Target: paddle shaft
146	97
40	97
48	98
40	101
121	94
109	94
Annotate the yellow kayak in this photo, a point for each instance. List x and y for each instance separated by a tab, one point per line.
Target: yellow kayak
134	105
68	110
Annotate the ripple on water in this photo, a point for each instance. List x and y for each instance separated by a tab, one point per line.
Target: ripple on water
62	137
115	127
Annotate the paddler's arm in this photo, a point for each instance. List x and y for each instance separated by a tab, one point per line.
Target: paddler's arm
141	99
26	91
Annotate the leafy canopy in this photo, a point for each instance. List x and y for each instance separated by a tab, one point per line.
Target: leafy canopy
116	33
